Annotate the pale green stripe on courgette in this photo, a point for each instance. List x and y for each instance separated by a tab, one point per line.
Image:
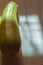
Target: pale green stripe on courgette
10	12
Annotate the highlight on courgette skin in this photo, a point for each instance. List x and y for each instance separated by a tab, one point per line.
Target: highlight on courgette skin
10	36
10	12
